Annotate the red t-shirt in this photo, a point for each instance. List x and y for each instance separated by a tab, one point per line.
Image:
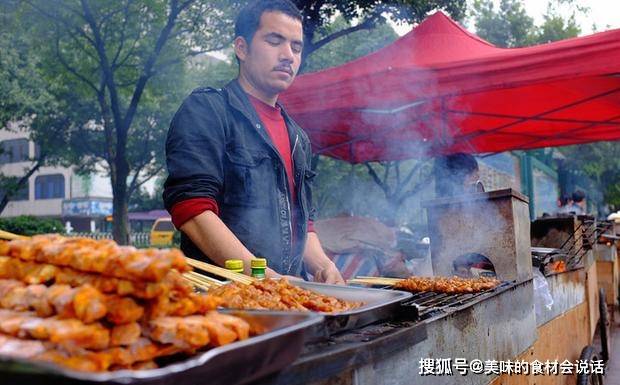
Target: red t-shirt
276	129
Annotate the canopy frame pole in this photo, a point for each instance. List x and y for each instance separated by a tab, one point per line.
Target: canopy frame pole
560	108
563	135
323	150
550	120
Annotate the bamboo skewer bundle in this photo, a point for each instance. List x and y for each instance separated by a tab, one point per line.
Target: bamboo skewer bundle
220	271
201	281
10	236
198	284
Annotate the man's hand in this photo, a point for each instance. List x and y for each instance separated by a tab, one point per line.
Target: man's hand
319	264
329	274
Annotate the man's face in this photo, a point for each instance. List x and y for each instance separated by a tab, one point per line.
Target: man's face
272	59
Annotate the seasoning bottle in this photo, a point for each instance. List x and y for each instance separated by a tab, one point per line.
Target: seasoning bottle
234	265
258	265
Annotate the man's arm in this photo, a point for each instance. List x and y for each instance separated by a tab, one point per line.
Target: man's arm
319	264
214	238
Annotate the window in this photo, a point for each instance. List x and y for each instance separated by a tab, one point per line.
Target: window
13	150
49	186
20	195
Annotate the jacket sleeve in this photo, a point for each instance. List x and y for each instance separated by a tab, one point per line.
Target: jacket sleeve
195	148
312	212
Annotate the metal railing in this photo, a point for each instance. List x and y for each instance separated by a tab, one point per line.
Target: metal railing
137	239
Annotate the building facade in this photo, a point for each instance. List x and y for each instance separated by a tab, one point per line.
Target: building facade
81	202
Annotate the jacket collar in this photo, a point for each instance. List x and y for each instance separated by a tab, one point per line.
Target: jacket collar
238	99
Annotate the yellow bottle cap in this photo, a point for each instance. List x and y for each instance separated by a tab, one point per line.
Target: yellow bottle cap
258	263
233	264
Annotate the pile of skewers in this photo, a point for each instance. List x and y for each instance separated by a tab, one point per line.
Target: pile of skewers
273	294
94	305
448	285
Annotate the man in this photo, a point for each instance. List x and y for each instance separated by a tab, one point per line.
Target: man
457	174
578	204
239	166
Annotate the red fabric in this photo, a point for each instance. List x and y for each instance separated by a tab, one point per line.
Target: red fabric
187	209
440	89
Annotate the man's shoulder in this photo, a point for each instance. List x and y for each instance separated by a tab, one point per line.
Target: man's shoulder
211	93
207	90
207	97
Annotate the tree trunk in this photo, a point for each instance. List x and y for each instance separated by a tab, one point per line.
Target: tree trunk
392	211
120	219
120	224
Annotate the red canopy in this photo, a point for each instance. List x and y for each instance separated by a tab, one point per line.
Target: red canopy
440	89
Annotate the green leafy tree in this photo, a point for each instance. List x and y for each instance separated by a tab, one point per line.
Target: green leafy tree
26	97
360	15
119	71
348	47
143	200
601	163
364	15
507	26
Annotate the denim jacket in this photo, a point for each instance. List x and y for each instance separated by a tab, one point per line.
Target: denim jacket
218	148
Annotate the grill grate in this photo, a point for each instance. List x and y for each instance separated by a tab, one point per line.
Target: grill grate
430	304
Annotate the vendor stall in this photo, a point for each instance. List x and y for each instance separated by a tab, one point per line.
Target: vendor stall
76	310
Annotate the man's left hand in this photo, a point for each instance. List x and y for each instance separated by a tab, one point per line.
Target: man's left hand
329	274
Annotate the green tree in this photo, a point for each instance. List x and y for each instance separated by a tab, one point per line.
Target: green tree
118	67
360	15
507	26
364	15
349	47
26	96
601	163
556	26
142	200
510	26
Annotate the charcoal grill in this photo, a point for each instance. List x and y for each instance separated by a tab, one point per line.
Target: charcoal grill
431	304
577	235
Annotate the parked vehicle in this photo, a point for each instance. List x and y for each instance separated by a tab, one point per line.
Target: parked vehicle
162	232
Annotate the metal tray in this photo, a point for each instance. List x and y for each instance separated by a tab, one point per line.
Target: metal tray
236	363
379	304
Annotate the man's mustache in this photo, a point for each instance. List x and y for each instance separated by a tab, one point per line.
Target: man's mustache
285	68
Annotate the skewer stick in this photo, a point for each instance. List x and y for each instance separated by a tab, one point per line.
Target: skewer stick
219	271
196	283
369	277
375	281
207	280
10	236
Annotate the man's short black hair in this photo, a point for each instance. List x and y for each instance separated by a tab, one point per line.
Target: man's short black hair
248	19
451	172
579	196
461	163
